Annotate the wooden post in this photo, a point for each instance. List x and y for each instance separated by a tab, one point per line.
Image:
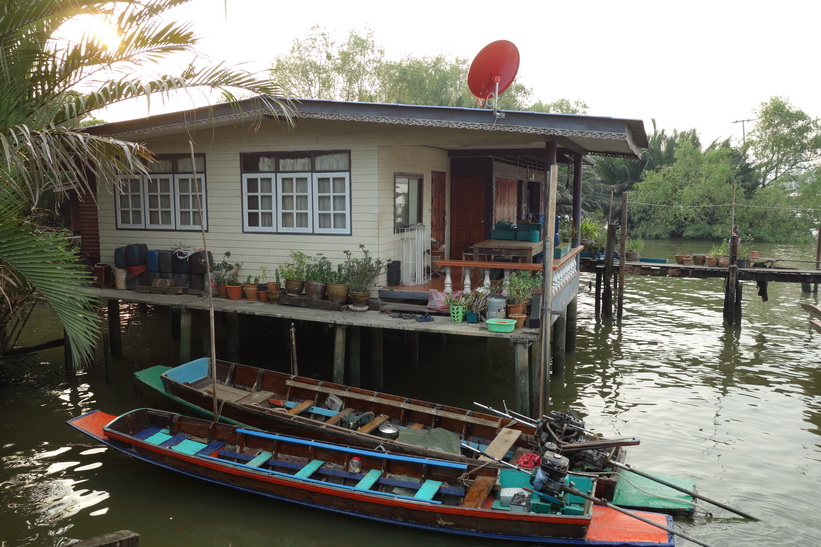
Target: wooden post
598	296
607	296
522	371
185	335
340	333
572	316
732	302
558	343
114	328
232	336
377	358
622	254
535	364
355	357
68	358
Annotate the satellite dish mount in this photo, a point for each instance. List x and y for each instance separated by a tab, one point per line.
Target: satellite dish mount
492	72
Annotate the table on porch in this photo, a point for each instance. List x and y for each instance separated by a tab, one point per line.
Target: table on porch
523	251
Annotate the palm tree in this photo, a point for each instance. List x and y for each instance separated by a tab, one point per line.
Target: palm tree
48	86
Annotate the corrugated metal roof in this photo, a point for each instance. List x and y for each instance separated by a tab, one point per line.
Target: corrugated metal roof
488	131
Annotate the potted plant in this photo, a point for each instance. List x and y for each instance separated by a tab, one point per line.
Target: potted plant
361	273
337	287
721	252
251	288
591	235
262	285
293	272
274	288
633	249
318	270
456	307
520	286
476	303
223	272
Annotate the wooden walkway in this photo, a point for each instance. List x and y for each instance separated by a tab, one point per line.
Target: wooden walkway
784	275
347	327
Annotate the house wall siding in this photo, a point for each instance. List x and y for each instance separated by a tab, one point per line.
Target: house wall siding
372	180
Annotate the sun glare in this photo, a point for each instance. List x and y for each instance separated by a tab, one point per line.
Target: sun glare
92	27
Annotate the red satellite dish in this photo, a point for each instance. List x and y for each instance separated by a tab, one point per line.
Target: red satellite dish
493	70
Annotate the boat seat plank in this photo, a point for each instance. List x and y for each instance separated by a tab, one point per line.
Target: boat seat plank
188	446
309	469
369	479
417	426
228	393
148	432
260	459
211	448
503	442
373	424
301	407
172	441
158	438
478	492
428	490
337	417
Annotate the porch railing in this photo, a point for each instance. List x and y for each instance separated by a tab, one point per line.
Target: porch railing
415	254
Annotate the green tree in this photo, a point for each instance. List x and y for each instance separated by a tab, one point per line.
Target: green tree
784	141
317	67
47	87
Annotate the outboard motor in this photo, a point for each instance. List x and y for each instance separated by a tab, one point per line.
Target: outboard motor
560	428
549	479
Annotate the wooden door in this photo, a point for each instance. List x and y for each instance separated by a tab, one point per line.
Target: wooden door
468	211
437	208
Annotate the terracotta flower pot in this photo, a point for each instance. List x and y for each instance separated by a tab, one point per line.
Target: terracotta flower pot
699	259
712	261
513	309
221	290
273	296
520	319
251	292
234	292
262	295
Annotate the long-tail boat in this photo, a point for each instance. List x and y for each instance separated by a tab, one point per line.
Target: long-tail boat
337	413
468	498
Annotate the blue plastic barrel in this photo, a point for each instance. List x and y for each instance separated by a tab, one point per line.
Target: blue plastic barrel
153	261
119	258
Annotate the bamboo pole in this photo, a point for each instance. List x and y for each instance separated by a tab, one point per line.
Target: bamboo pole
547	279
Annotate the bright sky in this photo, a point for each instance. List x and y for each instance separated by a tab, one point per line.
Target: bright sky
696	64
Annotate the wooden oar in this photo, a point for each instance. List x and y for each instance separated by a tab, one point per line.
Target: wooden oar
606	503
680	489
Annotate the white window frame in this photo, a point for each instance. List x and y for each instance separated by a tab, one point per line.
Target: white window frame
347	197
147	209
246	210
142	198
133	198
308	211
194	208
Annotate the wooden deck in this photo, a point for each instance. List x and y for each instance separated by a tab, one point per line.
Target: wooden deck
784	275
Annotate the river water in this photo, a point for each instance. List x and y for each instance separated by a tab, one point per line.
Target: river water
738	410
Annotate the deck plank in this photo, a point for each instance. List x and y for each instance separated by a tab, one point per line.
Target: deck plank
503	442
478	492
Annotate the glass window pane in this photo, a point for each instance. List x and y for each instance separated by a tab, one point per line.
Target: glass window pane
302	185
324	221
288	203
267	219
323	185
339	203
339	220
302	220
252	185
332	162
324	203
267	185
253	219
288	185
302	202
253	202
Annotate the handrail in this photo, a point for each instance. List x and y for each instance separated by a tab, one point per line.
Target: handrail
536	266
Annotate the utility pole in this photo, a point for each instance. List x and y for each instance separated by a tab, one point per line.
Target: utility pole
743	129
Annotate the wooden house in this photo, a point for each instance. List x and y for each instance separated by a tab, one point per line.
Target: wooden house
411	183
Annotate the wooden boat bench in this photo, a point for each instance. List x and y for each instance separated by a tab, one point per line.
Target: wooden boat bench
373	424
301	407
260	459
428	490
369	479
309	469
335	419
478	492
500	446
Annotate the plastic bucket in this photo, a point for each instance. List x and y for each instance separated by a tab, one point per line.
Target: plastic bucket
496	307
120	276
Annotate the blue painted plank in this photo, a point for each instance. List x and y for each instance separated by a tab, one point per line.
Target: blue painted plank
171	441
369	479
428	490
214	446
370	453
148	432
158	437
309	469
190	372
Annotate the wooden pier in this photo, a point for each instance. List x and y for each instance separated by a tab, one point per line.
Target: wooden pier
348	327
